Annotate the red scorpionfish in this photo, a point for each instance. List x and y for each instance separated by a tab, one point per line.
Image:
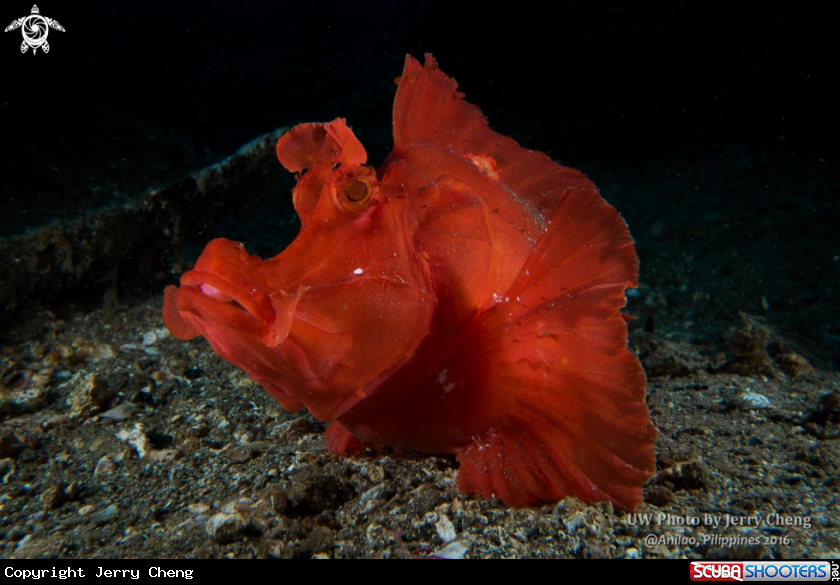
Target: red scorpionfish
463	298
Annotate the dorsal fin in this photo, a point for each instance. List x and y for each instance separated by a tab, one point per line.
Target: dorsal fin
429	111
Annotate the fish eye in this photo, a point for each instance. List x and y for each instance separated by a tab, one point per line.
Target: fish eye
354	191
357	191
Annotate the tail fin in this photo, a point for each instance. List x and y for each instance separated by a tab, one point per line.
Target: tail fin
565	412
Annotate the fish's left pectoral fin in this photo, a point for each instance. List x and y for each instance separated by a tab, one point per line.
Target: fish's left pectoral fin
579	428
548	456
564	411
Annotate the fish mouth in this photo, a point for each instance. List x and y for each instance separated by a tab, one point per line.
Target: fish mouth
233	325
217	289
286	349
267	316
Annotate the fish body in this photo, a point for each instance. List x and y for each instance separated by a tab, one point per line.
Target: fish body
464	298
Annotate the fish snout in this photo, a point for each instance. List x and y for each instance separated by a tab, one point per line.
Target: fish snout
270	313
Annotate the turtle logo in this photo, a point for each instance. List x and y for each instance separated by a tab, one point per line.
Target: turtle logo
35	29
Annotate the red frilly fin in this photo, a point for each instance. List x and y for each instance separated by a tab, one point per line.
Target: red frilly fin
565	406
430	112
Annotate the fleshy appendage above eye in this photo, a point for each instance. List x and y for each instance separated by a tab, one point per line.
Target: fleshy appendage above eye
355	190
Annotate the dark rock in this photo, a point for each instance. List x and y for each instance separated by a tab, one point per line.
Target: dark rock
657	495
747	349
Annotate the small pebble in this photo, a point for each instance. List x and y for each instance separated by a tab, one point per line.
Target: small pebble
150	338
198	508
453	550
163	455
104	467
445	529
105	516
223	528
756	401
118	413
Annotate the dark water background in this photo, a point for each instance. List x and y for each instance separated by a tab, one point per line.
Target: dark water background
712	129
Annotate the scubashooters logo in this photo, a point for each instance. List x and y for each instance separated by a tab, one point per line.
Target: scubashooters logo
35	29
760	571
